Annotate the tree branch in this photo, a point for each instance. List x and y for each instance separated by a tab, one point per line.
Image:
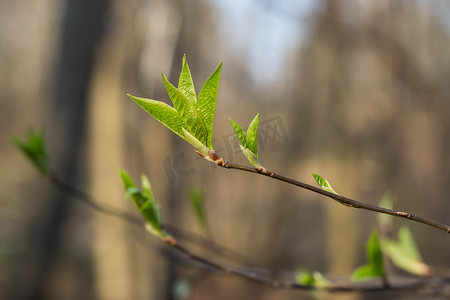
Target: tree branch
340	199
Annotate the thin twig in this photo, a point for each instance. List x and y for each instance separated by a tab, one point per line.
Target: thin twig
340	199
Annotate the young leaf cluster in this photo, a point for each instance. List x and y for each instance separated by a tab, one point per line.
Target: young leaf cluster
190	117
144	201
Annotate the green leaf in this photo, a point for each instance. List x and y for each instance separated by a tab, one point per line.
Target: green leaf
206	103
251	157
130	190
252	135
375	267
404	253
144	201
162	112
197	205
314	279
324	184
152	213
146	188
186	84
249	140
374	254
365	272
33	147
192	120
242	137
197	144
408	244
126	180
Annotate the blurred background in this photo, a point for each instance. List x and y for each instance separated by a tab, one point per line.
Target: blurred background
356	91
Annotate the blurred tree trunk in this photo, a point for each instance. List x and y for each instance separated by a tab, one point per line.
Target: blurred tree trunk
82	28
114	274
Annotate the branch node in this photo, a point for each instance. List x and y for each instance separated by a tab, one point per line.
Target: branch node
265	171
218	160
403	214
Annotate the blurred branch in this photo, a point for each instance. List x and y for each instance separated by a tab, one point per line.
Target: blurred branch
249	274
